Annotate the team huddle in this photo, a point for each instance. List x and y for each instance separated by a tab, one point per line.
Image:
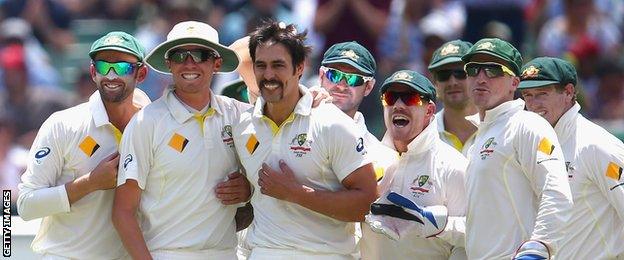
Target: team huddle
487	177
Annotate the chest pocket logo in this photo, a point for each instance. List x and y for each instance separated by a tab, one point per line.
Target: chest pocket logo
421	185
89	146
488	148
300	145
178	142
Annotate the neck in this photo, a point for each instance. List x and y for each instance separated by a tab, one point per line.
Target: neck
198	100
351	113
455	122
400	146
120	113
279	111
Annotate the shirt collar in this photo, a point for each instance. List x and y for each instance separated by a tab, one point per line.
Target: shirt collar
180	113
359	120
502	109
98	111
566	124
423	142
303	107
439	118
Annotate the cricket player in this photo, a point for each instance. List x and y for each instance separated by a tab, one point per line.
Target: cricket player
169	203
594	159
518	195
428	173
347	72
458	120
73	168
303	210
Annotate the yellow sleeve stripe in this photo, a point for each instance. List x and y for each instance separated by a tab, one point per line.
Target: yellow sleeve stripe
545	146
614	171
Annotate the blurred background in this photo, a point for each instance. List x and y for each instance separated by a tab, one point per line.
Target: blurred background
44	47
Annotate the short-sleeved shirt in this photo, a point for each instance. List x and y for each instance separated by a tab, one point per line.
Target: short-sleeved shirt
70	144
322	146
177	159
381	155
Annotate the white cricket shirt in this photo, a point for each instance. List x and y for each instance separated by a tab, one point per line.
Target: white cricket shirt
451	138
381	155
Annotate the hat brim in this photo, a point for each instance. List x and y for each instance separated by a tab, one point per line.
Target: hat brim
526	84
351	63
156	58
510	64
413	86
115	48
443	62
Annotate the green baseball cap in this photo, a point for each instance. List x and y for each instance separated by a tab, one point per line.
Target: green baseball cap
414	80
237	90
450	52
118	41
497	48
544	71
351	53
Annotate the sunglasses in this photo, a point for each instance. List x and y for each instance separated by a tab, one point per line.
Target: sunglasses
121	68
352	80
444	75
491	69
198	55
389	98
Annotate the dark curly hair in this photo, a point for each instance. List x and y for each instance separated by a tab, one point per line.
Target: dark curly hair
271	31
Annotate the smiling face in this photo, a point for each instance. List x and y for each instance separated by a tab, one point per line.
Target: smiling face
277	76
191	77
347	98
488	93
403	122
453	92
548	101
114	88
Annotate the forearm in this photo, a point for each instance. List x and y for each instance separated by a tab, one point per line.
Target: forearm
345	205
127	227
78	188
38	203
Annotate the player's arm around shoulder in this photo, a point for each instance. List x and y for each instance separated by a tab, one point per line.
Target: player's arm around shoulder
453	172
39	193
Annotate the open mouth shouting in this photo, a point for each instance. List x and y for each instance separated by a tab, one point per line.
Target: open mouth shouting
400	121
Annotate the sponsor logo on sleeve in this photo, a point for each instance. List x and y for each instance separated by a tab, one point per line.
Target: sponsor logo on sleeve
127	161
41	154
614	172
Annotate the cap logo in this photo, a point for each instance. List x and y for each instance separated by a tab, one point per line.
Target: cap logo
485	45
449	49
402	76
530	72
350	54
113	40
190	29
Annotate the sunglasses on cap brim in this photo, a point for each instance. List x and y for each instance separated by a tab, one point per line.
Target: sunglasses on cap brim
389	98
121	68
351	79
491	69
198	55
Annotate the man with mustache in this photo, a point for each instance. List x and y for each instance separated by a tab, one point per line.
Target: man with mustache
518	194
347	72
179	186
429	173
594	160
458	119
73	169
303	212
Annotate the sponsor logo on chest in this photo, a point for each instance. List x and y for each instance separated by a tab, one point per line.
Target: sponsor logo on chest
421	185
300	145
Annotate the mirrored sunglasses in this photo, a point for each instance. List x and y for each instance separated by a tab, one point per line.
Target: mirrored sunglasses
198	55
444	75
389	98
491	69
121	68
352	79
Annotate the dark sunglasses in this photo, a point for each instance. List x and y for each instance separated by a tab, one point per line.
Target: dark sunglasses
491	69
389	98
352	80
121	68
198	55
444	75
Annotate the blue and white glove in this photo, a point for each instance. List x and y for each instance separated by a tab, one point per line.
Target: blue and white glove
404	216
532	250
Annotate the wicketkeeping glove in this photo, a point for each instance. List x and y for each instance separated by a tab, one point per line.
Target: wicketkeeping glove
532	250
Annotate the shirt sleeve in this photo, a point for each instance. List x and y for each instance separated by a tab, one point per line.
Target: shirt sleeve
606	171
135	150
541	157
347	149
40	194
455	185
